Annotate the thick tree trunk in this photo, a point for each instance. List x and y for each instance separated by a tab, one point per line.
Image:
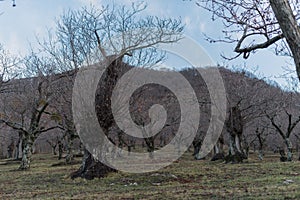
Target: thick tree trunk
26	154
235	155
289	27
150	146
70	154
218	153
91	168
283	157
235	128
289	149
197	143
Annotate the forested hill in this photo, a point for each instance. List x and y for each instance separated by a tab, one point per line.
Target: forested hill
254	97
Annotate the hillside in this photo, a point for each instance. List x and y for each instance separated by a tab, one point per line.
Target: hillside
242	88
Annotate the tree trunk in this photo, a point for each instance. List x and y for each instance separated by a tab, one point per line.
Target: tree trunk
70	155
60	149
19	146
26	154
218	151
236	155
54	150
289	149
11	149
90	168
197	143
260	151
260	146
234	126
283	157
150	146
289	27
162	140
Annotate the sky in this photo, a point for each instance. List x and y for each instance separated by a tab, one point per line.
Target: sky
21	25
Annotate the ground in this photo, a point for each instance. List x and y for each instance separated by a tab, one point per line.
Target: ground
184	179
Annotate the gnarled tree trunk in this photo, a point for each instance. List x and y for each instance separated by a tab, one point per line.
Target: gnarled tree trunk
234	126
289	149
218	153
26	153
90	167
70	154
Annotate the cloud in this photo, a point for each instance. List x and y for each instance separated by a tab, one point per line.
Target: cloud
90	2
187	20
202	26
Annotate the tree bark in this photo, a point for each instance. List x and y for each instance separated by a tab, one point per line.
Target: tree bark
70	154
26	153
289	149
289	26
60	149
218	151
150	146
91	168
234	126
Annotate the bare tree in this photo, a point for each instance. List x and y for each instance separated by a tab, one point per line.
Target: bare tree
284	117
246	97
261	134
8	72
253	25
27	109
116	35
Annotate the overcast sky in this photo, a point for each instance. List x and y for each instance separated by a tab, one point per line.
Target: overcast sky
30	18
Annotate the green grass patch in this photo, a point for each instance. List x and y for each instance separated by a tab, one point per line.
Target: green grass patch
184	179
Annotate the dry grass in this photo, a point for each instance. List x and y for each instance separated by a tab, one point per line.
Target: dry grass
184	179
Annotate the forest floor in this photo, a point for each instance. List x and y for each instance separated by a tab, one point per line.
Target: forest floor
184	179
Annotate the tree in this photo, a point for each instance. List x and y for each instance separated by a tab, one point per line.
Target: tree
63	109
246	98
284	118
8	72
27	109
119	35
253	25
260	136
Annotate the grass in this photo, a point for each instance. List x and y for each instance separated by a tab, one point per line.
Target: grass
184	179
